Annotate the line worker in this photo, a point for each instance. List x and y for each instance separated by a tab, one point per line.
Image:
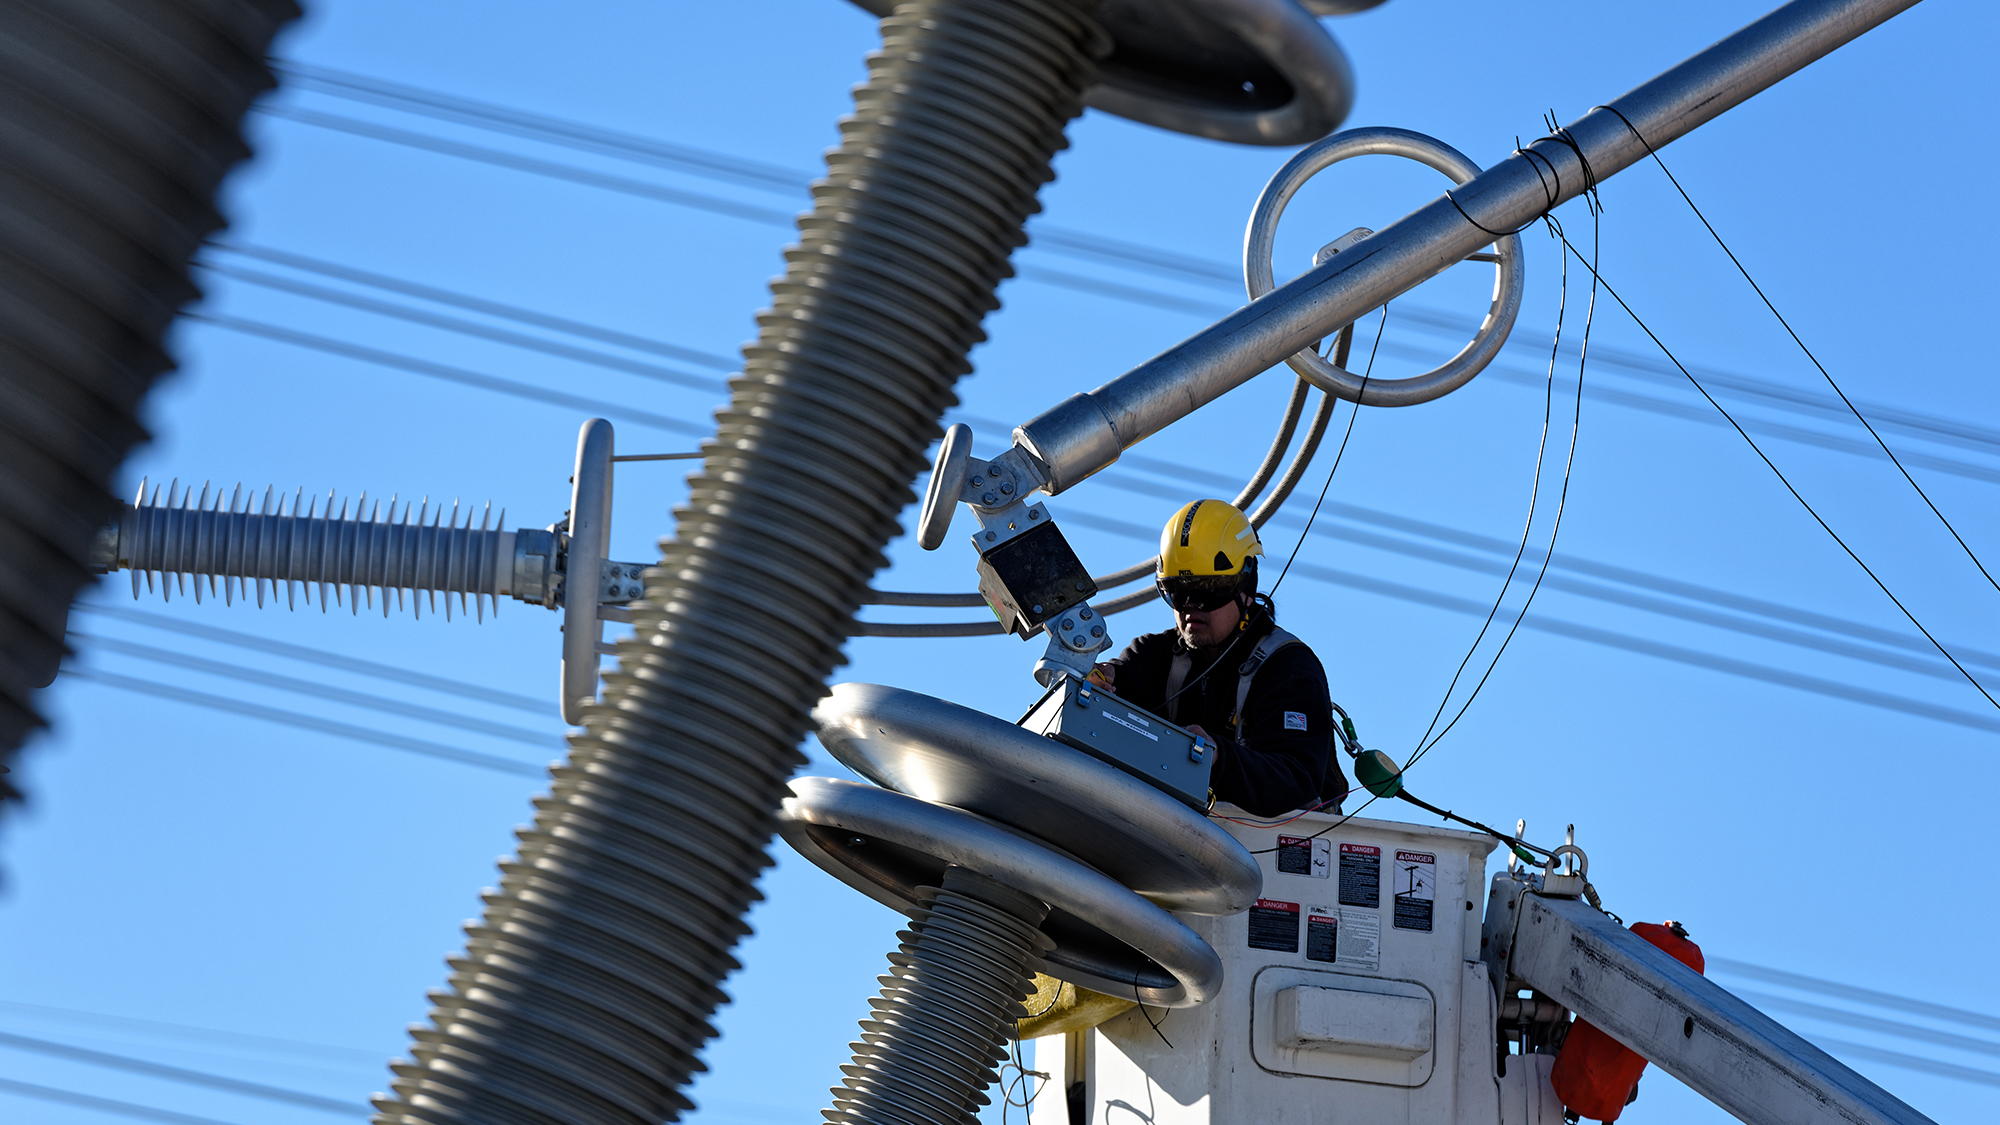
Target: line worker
1227	672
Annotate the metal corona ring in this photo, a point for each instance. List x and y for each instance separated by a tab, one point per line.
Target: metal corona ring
1262	232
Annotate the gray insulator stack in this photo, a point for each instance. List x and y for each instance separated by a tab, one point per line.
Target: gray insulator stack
949	1002
583	995
118	122
249	546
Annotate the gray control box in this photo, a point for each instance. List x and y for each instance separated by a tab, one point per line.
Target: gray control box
1139	742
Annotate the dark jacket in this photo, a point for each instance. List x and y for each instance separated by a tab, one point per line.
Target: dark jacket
1265	764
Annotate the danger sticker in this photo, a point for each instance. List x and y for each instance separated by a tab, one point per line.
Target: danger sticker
1295	720
1322	934
1360	875
1416	890
1274	925
1305	855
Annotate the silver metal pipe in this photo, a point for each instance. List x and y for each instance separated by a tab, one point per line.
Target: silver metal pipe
1721	1047
1088	431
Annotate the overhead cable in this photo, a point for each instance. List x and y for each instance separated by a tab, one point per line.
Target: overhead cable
293	684
406	676
474	758
178	1074
1731	967
182	1031
1607	638
465	327
104	1105
451	374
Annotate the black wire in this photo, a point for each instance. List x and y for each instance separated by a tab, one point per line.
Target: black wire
1339	453
310	722
1372	798
1845	401
1782	479
1425	742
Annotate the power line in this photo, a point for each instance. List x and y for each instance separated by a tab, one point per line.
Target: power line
1730	967
450	374
266	1042
535	126
1956	1042
1910	1062
389	672
473	758
1893	702
466	327
1606	638
1075	243
317	690
478	304
1660	606
624	185
1934	429
177	1074
102	1105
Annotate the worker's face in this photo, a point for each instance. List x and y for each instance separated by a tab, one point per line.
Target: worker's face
1206	628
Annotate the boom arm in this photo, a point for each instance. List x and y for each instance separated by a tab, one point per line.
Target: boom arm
1729	1052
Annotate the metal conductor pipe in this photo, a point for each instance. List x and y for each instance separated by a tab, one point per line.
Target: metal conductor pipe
1088	431
583	994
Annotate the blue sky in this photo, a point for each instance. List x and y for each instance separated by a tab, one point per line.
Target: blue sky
1747	735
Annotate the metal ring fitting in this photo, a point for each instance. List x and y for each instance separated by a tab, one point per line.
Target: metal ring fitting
1262	233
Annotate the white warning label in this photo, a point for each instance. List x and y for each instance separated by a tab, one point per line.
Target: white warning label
1359	941
1416	890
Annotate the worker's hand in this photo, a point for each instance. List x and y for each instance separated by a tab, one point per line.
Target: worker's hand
1195	729
1102	675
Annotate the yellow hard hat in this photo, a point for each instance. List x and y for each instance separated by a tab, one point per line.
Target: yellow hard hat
1206	539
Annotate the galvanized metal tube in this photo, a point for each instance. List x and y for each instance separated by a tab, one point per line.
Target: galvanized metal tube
118	123
583	997
1087	432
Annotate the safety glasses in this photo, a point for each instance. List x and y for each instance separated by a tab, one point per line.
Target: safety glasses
1199	594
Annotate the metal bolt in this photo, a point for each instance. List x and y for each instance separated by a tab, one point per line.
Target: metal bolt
977	481
1006	488
1097	630
989	499
1034	513
1085	611
989	537
1037	609
1068	624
